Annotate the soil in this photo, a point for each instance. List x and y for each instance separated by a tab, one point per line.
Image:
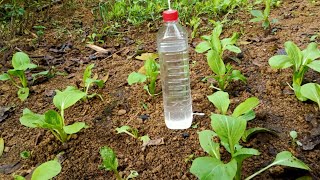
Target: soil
279	109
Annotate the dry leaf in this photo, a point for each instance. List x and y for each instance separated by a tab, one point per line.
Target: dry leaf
244	42
98	49
105	78
153	142
1	146
142	70
146	56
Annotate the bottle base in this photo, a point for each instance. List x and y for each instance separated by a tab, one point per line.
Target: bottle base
184	124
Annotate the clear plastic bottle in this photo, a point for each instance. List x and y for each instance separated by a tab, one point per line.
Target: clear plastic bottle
172	41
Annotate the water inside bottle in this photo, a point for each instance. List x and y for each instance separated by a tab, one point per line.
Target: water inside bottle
176	85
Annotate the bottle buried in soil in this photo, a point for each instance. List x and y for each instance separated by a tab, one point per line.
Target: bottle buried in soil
172	41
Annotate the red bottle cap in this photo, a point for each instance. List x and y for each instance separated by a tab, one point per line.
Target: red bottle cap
170	15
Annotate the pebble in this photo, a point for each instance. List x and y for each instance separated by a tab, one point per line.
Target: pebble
185	135
144	117
121	112
6	149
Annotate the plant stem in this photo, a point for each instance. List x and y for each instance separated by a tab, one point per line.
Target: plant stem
117	174
261	170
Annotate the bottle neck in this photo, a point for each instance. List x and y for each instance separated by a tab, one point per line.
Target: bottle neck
171	22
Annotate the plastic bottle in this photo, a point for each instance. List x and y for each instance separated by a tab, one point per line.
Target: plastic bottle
172	41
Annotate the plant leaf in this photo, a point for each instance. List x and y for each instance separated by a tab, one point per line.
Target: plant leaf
123	129
4	77
67	98
220	100
145	139
233	48
87	74
53	118
245	153
315	65
208	168
285	158
280	62
31	119
311	53
230	41
249	115
236	75
249	132
109	159
135	77
21	61
1	146
257	13
245	106
74	128
203	47
216	63
258	19
229	129
132	175
207	144
23	93
46	170
294	53
312	92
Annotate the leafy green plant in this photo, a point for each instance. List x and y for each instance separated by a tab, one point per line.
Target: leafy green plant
54	121
45	171
94	37
20	62
263	16
294	141
194	23
150	75
300	61
25	154
132	132
110	163
223	74
88	81
230	130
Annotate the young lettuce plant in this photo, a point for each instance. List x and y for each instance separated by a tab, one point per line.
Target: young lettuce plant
229	130
215	48
45	171
132	132
110	163
301	61
263	16
150	75
20	62
54	121
88	81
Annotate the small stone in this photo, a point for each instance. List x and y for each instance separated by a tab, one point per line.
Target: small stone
144	117
185	135
74	136
6	149
121	112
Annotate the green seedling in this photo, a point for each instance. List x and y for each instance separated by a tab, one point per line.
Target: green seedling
132	132
54	121
110	163
148	75
95	38
215	48
1	146
194	23
263	16
294	141
244	111
88	81
45	171
229	130
20	62
300	61
25	154
39	32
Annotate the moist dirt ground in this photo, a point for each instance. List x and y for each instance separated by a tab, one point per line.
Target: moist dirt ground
279	109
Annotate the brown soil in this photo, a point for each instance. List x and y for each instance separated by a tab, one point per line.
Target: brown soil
279	109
